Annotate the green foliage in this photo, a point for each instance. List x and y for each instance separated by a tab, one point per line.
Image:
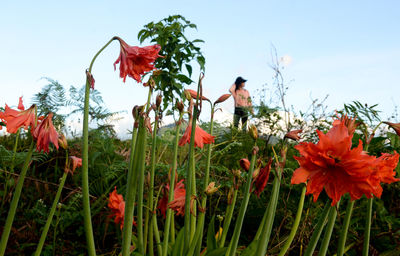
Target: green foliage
178	52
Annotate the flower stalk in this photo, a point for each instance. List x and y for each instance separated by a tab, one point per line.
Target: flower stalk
345	228
329	229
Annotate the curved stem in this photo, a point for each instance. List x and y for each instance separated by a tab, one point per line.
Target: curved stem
295	224
52	211
345	228
14	202
85	163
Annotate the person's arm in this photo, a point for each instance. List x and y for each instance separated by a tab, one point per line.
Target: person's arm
232	90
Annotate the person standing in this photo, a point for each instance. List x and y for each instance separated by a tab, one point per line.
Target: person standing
242	102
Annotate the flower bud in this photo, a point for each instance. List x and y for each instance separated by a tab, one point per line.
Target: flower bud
187	95
294	134
180	106
245	163
256	172
255	150
236	173
158	100
135	112
222	98
62	141
211	188
253	131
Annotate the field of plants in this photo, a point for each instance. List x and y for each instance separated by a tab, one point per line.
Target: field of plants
318	182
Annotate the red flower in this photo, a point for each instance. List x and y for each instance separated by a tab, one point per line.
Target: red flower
116	204
15	119
262	178
201	137
134	61
45	133
395	126
20	104
245	164
294	134
76	162
386	164
178	204
332	165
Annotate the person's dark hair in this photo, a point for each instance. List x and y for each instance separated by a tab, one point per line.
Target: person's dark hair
238	82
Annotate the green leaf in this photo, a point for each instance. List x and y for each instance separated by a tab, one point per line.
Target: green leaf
211	242
189	69
251	249
217	252
178	246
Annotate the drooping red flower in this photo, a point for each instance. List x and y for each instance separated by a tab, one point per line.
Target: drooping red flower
135	61
332	165
20	104
45	133
294	134
201	137
178	204
386	164
262	178
116	204
350	123
15	119
395	126
75	162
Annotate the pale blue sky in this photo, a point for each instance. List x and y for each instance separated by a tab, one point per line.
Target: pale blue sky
347	49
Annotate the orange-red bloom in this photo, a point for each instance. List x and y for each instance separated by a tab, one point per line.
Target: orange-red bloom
134	61
262	178
332	165
116	204
45	133
223	98
178	204
193	94
15	119
386	164
201	137
395	126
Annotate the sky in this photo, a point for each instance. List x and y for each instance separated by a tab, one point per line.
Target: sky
349	50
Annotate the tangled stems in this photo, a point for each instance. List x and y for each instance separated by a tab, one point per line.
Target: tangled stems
52	210
14	202
295	224
171	189
85	162
239	222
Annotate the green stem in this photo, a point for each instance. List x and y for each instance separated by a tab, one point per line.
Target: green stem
271	209
318	230
170	216
14	202
329	229
367	231
85	163
52	211
345	228
228	218
14	151
151	186
239	222
295	224
136	145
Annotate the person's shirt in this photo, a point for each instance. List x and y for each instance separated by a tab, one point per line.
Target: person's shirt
241	97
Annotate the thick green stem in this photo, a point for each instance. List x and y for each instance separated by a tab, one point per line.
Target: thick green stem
318	230
239	221
170	215
295	224
271	209
14	202
151	188
367	231
51	214
85	163
14	150
329	229
345	228
228	218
